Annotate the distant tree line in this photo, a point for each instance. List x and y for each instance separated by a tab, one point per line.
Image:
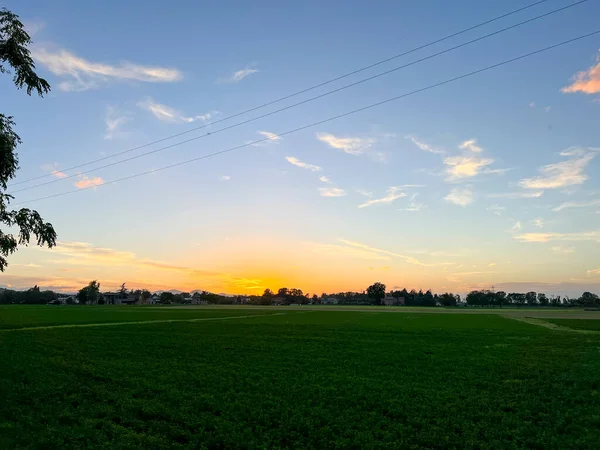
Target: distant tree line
373	295
501	298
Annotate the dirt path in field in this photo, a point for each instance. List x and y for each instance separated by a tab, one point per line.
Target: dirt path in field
552	326
141	322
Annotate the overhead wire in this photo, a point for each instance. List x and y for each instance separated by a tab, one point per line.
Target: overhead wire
329	119
280	99
238	124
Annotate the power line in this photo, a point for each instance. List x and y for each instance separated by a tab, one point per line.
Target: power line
364	80
293	94
339	116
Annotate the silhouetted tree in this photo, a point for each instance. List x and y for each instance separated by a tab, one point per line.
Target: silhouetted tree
531	298
26	222
376	292
89	294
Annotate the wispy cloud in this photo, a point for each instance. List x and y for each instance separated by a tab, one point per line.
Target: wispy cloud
517	195
33	27
379	251
547	237
325	179
423	146
539	222
562	249
496	209
470	145
165	113
516	227
393	193
53	170
114	120
594	271
238	76
85	182
460	167
460	196
296	162
532	105
332	192
350	145
586	81
272	138
82	74
558	175
413	206
567	205
225	178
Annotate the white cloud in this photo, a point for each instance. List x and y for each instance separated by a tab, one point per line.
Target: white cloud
393	193
413	206
270	138
82	74
423	146
565	173
516	227
33	27
470	145
225	177
53	169
84	182
547	237
594	271
539	222
167	114
532	105
113	121
238	76
562	249
374	250
576	205
296	162
517	195
586	81
325	179
332	192
460	196
496	209
460	167
350	145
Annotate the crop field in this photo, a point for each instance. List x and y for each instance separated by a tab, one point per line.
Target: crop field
277	378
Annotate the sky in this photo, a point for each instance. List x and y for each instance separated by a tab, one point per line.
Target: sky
490	181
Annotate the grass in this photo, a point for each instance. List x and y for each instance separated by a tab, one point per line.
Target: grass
38	316
300	380
578	324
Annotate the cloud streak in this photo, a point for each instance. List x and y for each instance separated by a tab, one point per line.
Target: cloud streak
238	76
568	205
351	145
586	81
423	146
562	174
296	162
84	182
332	192
547	237
82	74
393	193
114	121
53	170
165	113
460	196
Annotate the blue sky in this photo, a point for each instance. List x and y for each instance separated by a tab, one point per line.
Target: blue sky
445	189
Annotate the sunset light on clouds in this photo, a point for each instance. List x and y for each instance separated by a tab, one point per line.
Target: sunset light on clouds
424	192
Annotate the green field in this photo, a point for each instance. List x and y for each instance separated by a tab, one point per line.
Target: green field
578	324
316	379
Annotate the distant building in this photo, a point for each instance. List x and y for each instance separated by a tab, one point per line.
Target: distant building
389	300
